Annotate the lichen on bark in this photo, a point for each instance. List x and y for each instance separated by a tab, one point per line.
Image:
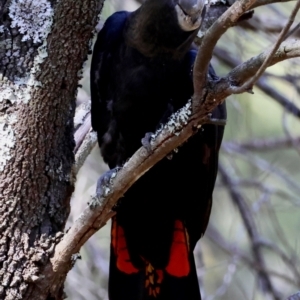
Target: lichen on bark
39	66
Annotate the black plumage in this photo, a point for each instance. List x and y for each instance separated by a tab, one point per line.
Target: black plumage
141	73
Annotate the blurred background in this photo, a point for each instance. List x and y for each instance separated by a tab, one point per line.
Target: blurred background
251	248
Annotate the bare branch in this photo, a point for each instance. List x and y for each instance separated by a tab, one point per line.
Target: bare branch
267	25
82	123
226	58
227	278
268	55
292	31
231	249
281	99
250	225
87	145
264	165
288	133
248	69
227	20
85	138
290	262
226	86
294	297
267	144
266	2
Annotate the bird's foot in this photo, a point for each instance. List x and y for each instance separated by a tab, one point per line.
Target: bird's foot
146	141
104	183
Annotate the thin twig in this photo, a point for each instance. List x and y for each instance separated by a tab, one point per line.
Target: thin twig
250	225
293	31
268	144
265	2
267	26
263	165
227	278
85	138
262	84
88	143
81	132
209	41
280	98
248	85
289	134
292	265
294	297
231	249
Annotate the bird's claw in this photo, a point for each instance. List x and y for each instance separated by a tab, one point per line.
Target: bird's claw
104	183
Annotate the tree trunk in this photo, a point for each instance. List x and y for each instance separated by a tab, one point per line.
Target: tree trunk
43	45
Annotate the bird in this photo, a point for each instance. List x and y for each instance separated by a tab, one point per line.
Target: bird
141	73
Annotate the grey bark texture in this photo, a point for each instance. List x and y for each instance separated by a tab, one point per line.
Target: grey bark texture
43	45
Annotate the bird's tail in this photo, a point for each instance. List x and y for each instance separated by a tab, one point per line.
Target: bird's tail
177	280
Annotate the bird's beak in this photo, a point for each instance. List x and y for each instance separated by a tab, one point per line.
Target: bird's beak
189	13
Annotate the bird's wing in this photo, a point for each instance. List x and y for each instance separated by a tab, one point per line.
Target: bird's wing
100	82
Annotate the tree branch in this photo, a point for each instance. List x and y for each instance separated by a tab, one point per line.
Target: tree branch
266	2
82	123
268	56
294	297
230	248
266	144
241	73
250	225
263	165
209	41
268	26
85	138
261	84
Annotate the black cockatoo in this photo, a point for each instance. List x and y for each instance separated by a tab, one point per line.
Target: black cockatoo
141	73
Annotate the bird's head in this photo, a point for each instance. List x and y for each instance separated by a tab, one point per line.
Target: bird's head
165	26
189	13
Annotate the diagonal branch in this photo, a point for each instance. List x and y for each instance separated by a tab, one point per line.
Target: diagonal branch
231	249
85	138
294	297
251	228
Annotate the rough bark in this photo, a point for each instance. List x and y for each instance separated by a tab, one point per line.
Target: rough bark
43	45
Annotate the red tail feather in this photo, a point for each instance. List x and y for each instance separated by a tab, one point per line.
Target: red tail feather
119	245
179	264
